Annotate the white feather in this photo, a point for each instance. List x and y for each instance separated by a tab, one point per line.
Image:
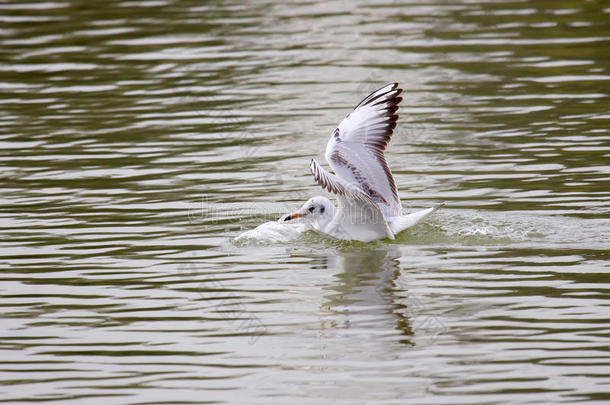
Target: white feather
355	151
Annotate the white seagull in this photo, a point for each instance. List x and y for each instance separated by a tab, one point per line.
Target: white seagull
369	207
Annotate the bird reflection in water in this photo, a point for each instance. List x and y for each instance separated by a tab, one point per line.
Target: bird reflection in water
365	295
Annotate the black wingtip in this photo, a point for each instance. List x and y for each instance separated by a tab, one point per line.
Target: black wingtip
378	97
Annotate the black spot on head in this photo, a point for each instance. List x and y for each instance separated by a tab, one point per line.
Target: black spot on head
310	209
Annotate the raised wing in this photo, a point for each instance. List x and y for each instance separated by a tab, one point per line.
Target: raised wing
358	216
356	148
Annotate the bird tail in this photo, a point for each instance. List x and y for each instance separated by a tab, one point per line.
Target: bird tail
399	224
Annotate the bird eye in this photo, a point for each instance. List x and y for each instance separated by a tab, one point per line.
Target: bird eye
322	210
310	209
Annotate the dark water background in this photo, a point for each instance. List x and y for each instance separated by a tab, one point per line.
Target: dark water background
137	138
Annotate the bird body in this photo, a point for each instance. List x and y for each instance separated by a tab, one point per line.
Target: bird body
368	204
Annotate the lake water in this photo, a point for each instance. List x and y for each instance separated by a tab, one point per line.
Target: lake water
138	138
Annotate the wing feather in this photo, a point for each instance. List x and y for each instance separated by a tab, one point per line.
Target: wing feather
356	149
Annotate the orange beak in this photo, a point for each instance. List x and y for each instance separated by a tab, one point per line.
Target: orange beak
293	216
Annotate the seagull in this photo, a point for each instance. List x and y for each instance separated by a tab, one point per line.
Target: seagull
368	204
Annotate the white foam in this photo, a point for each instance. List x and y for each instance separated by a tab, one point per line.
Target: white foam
272	232
479	230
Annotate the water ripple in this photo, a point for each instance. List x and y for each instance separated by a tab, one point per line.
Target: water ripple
138	138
